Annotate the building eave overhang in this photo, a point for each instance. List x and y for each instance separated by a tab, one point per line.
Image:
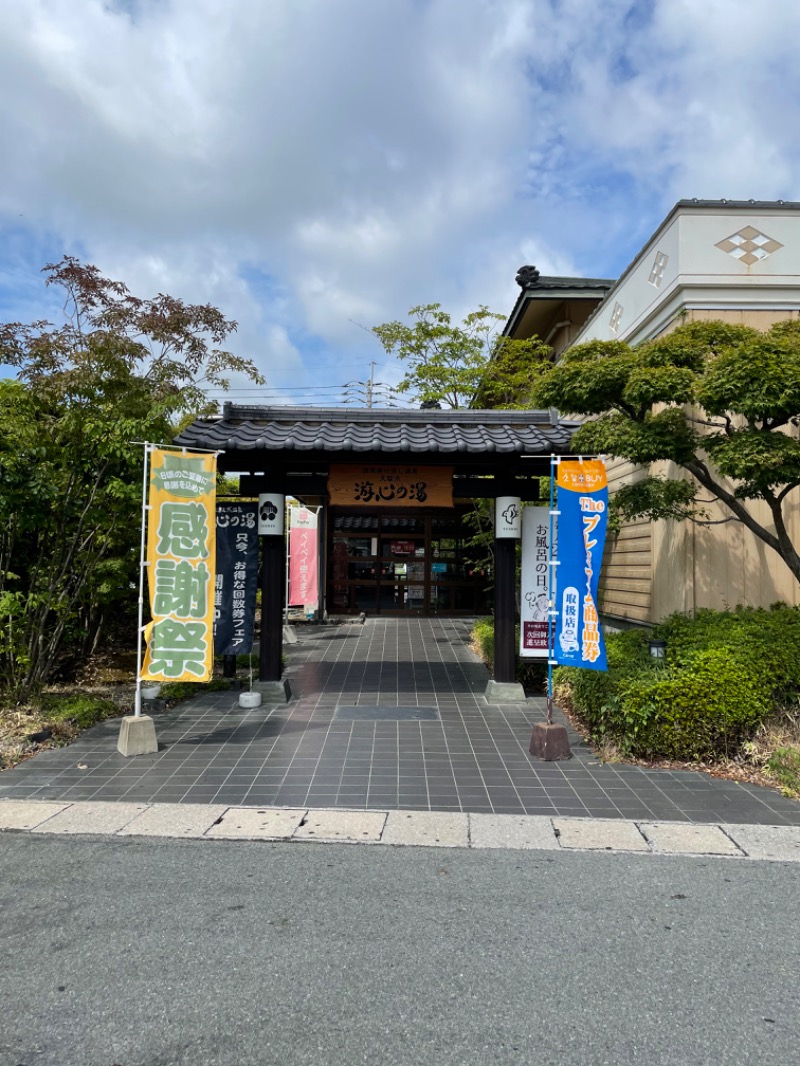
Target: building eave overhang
555	291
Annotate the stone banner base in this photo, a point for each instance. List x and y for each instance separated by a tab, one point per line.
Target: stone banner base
137	736
549	742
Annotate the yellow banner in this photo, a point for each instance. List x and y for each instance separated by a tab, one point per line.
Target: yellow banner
181	558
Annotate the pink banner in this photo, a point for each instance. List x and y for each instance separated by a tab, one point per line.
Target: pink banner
303	558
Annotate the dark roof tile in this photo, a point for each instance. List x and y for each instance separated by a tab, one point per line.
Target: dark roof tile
344	430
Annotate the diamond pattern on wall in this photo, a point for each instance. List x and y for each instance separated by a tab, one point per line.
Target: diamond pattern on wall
616	315
659	266
749	245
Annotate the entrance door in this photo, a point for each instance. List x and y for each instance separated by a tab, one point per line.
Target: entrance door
403	548
393	563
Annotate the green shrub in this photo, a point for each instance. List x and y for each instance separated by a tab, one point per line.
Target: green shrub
768	641
529	672
725	673
483	636
627	656
702	710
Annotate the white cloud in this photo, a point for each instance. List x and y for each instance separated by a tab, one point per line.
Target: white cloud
307	164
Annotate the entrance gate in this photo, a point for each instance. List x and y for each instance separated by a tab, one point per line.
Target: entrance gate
410	562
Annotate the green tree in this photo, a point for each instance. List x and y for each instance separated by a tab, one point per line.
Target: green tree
117	370
463	365
720	401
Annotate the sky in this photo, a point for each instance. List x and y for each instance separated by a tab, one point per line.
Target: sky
317	167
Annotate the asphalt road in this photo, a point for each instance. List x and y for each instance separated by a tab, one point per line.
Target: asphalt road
143	952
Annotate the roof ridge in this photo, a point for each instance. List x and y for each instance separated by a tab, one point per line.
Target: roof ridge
238	413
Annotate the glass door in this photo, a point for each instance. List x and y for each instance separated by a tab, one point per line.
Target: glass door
403	550
398	564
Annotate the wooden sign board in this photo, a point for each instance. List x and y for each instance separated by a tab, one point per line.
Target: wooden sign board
369	485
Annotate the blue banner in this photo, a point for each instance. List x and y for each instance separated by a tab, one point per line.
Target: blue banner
582	521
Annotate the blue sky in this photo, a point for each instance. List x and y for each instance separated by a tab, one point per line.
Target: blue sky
314	167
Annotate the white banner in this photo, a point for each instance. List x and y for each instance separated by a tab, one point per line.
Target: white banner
535	582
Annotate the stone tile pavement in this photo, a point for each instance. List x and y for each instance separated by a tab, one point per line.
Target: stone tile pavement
348	740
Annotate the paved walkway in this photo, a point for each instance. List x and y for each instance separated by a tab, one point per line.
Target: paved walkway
386	716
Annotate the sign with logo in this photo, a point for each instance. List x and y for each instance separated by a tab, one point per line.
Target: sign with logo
535	582
181	557
303	558
507	517
583	517
390	486
236	579
271	506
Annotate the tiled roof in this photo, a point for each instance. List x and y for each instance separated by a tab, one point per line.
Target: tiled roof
538	283
572	283
333	430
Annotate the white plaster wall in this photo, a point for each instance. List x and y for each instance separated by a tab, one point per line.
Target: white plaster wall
701	275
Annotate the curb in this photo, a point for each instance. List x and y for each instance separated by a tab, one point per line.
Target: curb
401	828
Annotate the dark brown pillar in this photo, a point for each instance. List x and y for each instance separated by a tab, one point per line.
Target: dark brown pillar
505	609
273	581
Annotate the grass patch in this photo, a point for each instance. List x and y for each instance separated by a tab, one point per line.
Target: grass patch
173	691
784	766
81	711
55	719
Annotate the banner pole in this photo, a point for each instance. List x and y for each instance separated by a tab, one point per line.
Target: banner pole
288	532
551	574
137	704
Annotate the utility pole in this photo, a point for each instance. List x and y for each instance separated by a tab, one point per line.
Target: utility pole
370	393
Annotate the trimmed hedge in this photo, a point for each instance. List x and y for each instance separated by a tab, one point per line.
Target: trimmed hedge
725	673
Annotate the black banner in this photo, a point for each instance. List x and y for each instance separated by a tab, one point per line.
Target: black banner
237	578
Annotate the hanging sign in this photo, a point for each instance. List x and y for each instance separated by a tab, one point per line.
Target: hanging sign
236	579
180	567
303	558
507	517
395	486
535	590
583	517
271	506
